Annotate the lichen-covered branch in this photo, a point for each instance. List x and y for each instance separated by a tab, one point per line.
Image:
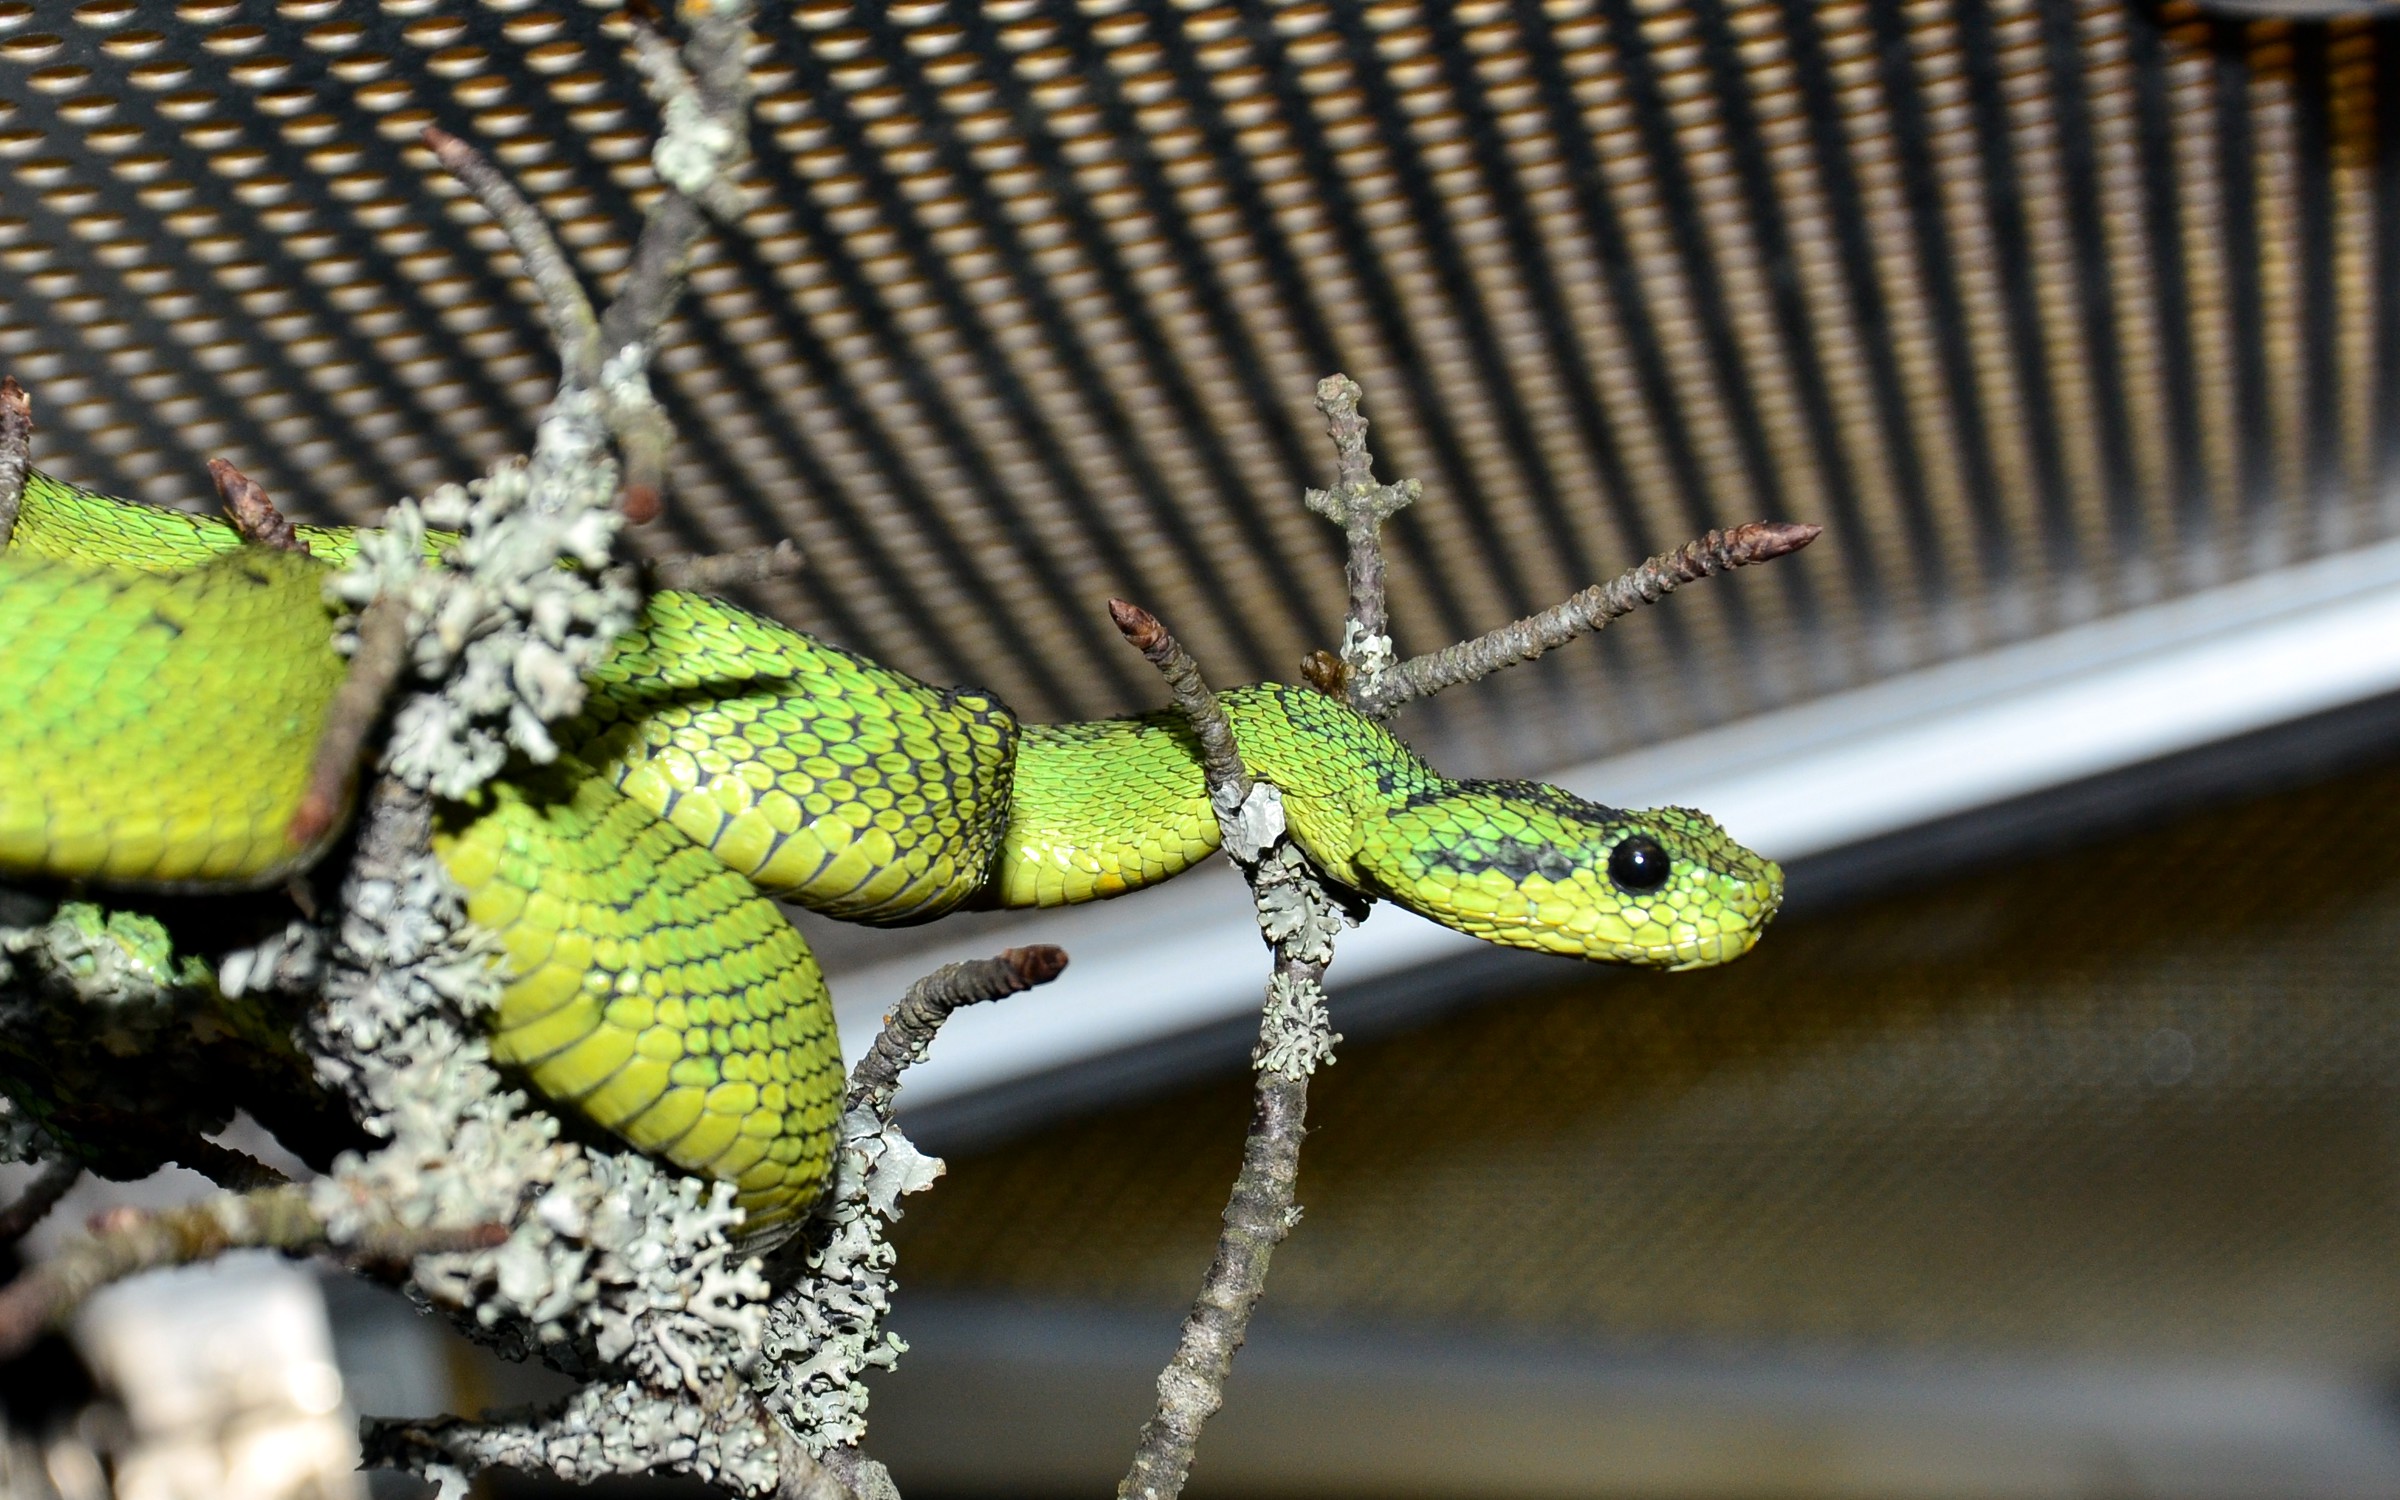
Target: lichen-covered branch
1360	506
825	1330
593	1257
1299	917
16	452
703	91
1523	640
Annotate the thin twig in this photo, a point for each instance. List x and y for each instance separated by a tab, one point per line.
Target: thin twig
1716	552
572	322
909	1030
375	670
127	1241
654	277
16	452
1228	780
706	106
1293	1039
713	572
251	511
40	1196
1360	506
235	1171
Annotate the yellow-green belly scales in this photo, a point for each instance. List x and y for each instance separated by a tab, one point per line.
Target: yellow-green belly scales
162	685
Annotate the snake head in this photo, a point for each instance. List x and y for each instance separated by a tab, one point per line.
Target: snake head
1529	866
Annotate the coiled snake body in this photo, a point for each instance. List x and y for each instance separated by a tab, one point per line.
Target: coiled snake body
163	684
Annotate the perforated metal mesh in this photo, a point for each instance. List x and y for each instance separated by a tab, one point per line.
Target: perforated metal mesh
2135	1099
2046	308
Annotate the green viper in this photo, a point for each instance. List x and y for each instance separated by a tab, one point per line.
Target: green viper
162	686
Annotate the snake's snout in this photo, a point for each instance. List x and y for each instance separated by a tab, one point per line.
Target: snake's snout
1745	901
1715	904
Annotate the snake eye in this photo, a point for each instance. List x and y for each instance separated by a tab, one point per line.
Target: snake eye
1638	864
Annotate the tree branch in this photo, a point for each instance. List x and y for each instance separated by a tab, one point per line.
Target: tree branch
16	450
825	1328
375	669
706	108
714	572
572	322
127	1241
1298	916
40	1196
1219	758
1360	506
1706	556
909	1030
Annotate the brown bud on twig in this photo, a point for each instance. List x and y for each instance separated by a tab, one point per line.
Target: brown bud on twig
252	513
1137	625
1219	756
1327	673
1038	963
909	1030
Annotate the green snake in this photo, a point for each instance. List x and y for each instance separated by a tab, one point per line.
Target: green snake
163	684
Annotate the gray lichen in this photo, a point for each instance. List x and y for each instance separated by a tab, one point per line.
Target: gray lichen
1295	910
507	632
825	1331
1295	1036
612	1269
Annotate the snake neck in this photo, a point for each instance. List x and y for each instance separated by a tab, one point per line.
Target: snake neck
1111	805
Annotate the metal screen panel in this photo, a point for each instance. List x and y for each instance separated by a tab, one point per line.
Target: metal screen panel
2046	308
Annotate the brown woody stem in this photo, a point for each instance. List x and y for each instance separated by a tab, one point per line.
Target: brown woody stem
909	1030
1703	557
16	452
572	322
375	670
127	1241
1259	1212
1219	758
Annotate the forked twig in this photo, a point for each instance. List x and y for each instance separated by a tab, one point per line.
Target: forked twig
1360	506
